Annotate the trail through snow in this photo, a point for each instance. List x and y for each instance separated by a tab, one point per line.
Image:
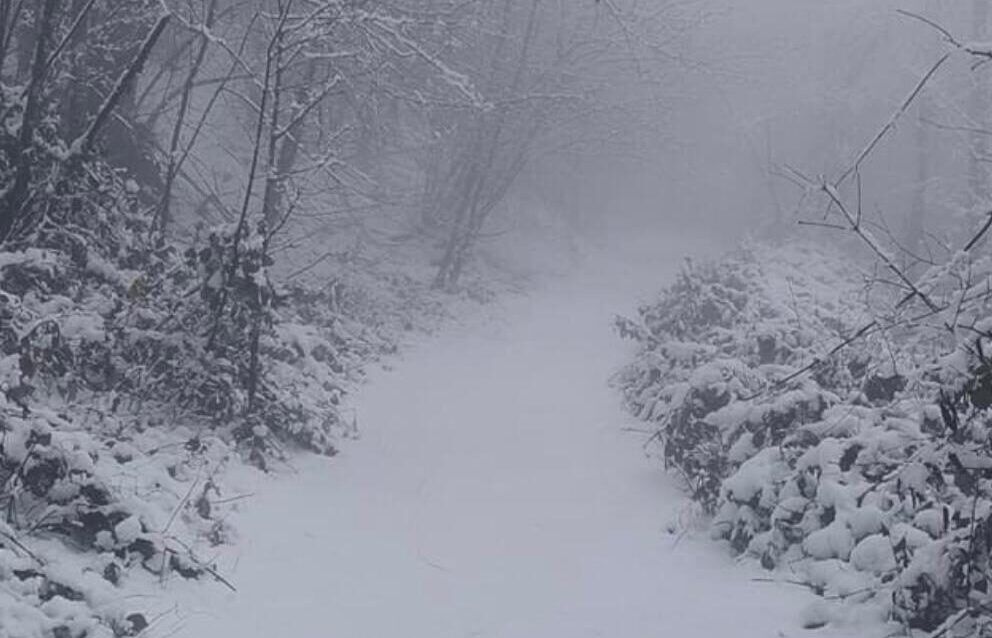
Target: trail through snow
493	494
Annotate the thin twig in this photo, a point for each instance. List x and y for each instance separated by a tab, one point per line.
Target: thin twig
21	546
891	124
981	233
866	237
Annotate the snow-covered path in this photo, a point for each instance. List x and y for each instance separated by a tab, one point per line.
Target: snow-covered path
493	494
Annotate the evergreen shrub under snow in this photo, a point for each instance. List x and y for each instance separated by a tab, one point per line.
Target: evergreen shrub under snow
131	375
860	459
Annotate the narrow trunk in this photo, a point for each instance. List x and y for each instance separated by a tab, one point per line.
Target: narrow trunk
164	212
916	223
445	279
283	160
269	211
25	44
978	175
5	20
15	197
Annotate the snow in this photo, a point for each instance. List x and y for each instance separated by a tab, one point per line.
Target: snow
874	554
865	521
833	541
128	530
493	493
754	475
931	521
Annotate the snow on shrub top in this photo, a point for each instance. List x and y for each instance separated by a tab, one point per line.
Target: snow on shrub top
867	469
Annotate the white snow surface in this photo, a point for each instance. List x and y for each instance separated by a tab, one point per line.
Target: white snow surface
494	494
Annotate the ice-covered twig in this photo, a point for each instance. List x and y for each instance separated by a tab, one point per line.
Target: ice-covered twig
873	244
891	124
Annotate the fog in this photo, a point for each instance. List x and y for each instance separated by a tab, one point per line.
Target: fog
495	318
800	84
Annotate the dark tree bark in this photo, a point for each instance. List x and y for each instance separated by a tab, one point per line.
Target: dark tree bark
13	200
164	211
978	174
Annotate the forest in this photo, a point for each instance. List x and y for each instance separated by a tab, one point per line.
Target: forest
495	318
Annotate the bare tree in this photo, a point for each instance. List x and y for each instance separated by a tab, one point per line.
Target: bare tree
556	79
51	138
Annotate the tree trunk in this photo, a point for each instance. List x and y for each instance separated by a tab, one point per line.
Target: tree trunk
283	160
15	197
5	25
916	224
164	212
978	175
445	277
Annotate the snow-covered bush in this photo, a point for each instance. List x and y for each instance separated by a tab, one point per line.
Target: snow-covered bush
718	348
867	469
131	373
135	365
126	373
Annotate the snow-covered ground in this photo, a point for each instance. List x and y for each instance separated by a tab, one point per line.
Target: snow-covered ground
494	493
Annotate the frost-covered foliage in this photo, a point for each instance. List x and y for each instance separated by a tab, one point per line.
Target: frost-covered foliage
866	469
717	345
134	368
131	375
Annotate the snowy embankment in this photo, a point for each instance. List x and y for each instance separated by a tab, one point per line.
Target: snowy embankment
120	420
493	492
827	437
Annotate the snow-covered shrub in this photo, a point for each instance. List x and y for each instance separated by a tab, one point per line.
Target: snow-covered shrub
134	368
124	390
718	348
867	469
213	341
131	373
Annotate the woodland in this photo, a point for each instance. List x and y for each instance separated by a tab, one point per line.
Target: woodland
216	216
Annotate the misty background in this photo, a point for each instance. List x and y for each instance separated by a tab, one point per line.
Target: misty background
513	318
